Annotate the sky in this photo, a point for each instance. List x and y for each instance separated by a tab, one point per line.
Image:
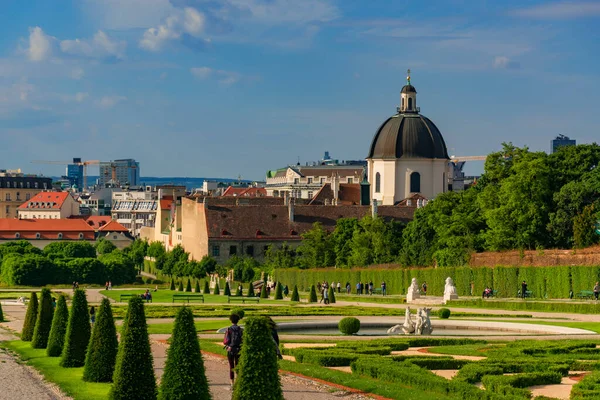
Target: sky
228	88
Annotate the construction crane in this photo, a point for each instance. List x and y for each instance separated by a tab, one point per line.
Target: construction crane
456	159
83	163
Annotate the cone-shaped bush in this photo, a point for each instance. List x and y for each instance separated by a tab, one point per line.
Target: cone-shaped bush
188	287
78	332
312	297
56	340
206	288
238	291
331	293
227	289
30	318
44	321
134	374
197	288
1	314
172	284
180	287
258	377
279	292
184	377
263	292
295	294
217	290
250	290
102	351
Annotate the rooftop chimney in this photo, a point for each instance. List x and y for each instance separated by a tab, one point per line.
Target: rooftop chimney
291	210
335	187
374	209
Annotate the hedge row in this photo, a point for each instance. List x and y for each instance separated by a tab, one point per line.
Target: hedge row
494	382
545	282
587	388
577	308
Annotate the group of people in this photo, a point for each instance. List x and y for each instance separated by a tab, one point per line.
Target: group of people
108	285
367	288
75	285
147	296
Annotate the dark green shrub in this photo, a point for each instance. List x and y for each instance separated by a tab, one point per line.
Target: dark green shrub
217	290
258	377
263	292
197	288
78	332
295	294
172	284
206	289
102	350
56	340
188	287
180	287
438	362
1	314
587	388
494	382
444	313
472	373
239	312
331	294
227	291
44	321
134	374
325	358
349	325
184	377
279	292
250	290
30	318
312	297
238	292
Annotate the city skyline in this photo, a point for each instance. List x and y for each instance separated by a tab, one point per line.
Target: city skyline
204	88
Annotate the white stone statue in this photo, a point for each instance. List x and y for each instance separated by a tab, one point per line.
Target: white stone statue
214	279
450	290
423	326
413	292
394	329
406	328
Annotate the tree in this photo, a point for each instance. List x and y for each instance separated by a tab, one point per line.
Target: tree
180	287
197	287
184	377
316	249
119	268
104	246
206	287
258	376
78	332
331	294
188	287
102	351
60	319
279	292
312	297
172	284
155	249
44	321
227	291
263	291
28	269
283	257
178	254
87	270
133	378
584	225
295	294
30	318
342	239
217	290
250	290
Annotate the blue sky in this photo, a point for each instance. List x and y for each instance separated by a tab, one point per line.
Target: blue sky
224	88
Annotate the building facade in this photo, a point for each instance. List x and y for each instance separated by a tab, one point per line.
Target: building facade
126	171
75	173
49	205
16	188
41	232
561	141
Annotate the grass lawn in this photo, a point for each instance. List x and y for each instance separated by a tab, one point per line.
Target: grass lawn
69	379
16	294
166	296
205	326
591	326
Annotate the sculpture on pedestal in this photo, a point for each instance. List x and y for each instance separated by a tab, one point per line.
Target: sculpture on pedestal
423	325
450	290
408	327
413	291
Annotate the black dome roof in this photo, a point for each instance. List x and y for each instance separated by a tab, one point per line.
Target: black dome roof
410	136
408	89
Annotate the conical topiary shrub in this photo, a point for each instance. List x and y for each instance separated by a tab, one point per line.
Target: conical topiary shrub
263	292
331	293
180	287
258	377
238	291
184	377
295	294
44	321
250	290
312	297
188	287
172	284
134	374
78	332
30	318
1	314
56	340
197	288
227	291
217	290
279	292
102	351
206	288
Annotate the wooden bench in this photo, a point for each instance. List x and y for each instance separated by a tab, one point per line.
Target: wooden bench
188	298
377	291
528	293
585	294
126	296
243	300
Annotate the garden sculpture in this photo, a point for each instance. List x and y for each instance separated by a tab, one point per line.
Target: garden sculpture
450	290
413	291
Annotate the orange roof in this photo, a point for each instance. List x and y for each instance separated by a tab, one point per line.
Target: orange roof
165	204
233	191
46	201
68	229
114	226
245	192
97	221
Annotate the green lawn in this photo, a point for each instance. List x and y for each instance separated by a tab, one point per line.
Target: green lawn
205	326
591	326
166	296
69	379
16	294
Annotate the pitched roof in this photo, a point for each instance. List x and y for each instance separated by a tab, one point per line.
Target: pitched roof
46	201
97	221
113	226
348	194
47	228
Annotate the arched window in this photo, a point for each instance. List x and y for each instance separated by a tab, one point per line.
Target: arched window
60	235
410	103
37	235
377	182
402	104
415	182
17	235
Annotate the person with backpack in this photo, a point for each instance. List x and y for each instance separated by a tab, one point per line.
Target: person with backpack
233	344
275	336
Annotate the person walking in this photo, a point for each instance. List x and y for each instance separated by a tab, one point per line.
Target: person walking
92	315
424	288
383	288
370	287
523	289
339	287
109	285
596	290
348	288
358	288
233	344
325	296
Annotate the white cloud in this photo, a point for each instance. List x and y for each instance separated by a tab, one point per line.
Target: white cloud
201	72
100	46
222	76
80	96
561	10
77	73
281	12
502	62
40	44
182	21
110	101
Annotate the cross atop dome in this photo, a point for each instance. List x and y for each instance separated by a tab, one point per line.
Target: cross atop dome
408	97
408	76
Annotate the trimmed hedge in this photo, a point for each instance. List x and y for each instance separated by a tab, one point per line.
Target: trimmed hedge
279	292
331	294
238	291
558	307
250	290
30	318
263	292
206	288
56	339
102	350
444	313
44	321
227	291
494	382
472	373
78	332
295	294
197	287
180	287
587	388
349	325
312	297
188	287
1	314
325	358
172	287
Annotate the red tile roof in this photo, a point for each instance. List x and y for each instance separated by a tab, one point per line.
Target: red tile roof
348	194
46	201
114	226
244	192
97	221
165	204
47	228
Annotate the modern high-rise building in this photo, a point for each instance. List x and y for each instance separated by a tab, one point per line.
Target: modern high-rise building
562	140
126	172
75	173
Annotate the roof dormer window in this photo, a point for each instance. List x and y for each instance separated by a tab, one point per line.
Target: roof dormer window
17	235
60	235
37	235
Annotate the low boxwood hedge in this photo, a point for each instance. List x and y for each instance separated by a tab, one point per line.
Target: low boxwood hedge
587	388
474	372
494	382
325	358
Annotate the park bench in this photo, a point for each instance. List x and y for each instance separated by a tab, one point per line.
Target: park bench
126	296
377	291
243	300
528	293
188	298
585	294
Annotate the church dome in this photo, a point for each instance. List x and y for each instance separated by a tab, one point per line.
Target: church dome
408	89
408	135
